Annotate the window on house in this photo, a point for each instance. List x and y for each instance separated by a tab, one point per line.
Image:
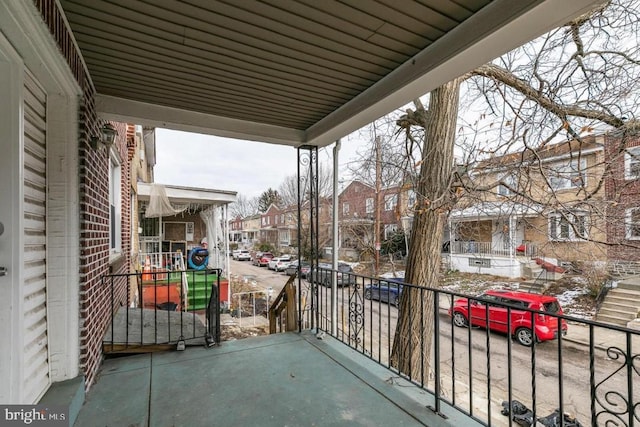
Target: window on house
285	237
368	205
281	218
264	221
568	226
390	202
390	230
633	224
569	174
508	182
115	205
411	199
632	163
345	208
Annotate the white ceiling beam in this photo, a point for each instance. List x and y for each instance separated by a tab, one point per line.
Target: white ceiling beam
154	115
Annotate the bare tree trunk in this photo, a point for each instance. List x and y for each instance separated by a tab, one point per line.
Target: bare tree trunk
413	338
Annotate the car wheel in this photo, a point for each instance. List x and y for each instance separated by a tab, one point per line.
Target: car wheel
459	319
396	301
524	336
367	294
325	282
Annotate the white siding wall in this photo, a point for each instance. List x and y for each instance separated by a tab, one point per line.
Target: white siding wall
36	361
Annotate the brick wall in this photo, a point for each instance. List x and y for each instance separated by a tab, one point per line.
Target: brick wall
95	302
95	292
622	194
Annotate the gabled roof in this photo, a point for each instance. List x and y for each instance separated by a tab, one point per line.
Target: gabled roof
356	182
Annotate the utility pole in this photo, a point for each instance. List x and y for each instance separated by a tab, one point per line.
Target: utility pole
376	226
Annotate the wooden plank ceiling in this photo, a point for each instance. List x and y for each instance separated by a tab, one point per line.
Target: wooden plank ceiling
281	71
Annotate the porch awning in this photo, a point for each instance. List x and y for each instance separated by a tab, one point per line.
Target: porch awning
188	195
290	72
496	210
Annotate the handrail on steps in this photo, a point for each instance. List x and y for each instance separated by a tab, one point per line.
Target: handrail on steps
285	301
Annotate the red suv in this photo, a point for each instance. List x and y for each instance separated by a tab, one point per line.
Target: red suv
497	301
265	258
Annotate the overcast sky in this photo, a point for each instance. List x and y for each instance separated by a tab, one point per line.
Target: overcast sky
196	160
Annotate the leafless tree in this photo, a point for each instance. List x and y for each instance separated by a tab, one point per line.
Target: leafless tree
383	158
288	190
243	206
583	76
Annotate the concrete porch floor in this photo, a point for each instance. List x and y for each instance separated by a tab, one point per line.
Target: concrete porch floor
277	380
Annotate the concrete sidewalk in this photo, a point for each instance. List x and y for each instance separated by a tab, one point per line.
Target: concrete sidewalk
603	337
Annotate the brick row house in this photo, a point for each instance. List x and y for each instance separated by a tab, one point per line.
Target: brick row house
278	227
567	203
235	230
360	206
357	204
623	190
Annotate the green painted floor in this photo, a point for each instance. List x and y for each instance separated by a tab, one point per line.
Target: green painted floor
276	380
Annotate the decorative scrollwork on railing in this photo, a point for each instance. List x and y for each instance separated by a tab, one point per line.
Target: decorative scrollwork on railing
356	316
617	407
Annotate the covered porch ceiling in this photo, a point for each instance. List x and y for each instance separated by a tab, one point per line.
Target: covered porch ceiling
289	72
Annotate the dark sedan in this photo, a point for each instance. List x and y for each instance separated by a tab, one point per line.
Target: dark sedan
386	290
323	273
305	268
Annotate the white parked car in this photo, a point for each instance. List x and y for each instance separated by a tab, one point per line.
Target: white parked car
283	263
243	255
272	263
278	263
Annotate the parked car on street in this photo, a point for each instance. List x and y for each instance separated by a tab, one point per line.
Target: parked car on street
243	255
255	259
278	262
283	263
495	305
385	289
265	258
292	268
323	273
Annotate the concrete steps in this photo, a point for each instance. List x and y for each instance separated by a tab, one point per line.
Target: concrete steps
533	286
535	272
622	303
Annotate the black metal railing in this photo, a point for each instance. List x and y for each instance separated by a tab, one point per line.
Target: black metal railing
162	309
592	373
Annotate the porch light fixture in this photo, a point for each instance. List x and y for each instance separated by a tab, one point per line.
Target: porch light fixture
107	137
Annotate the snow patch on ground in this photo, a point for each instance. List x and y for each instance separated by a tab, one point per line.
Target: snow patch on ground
391	275
569	296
